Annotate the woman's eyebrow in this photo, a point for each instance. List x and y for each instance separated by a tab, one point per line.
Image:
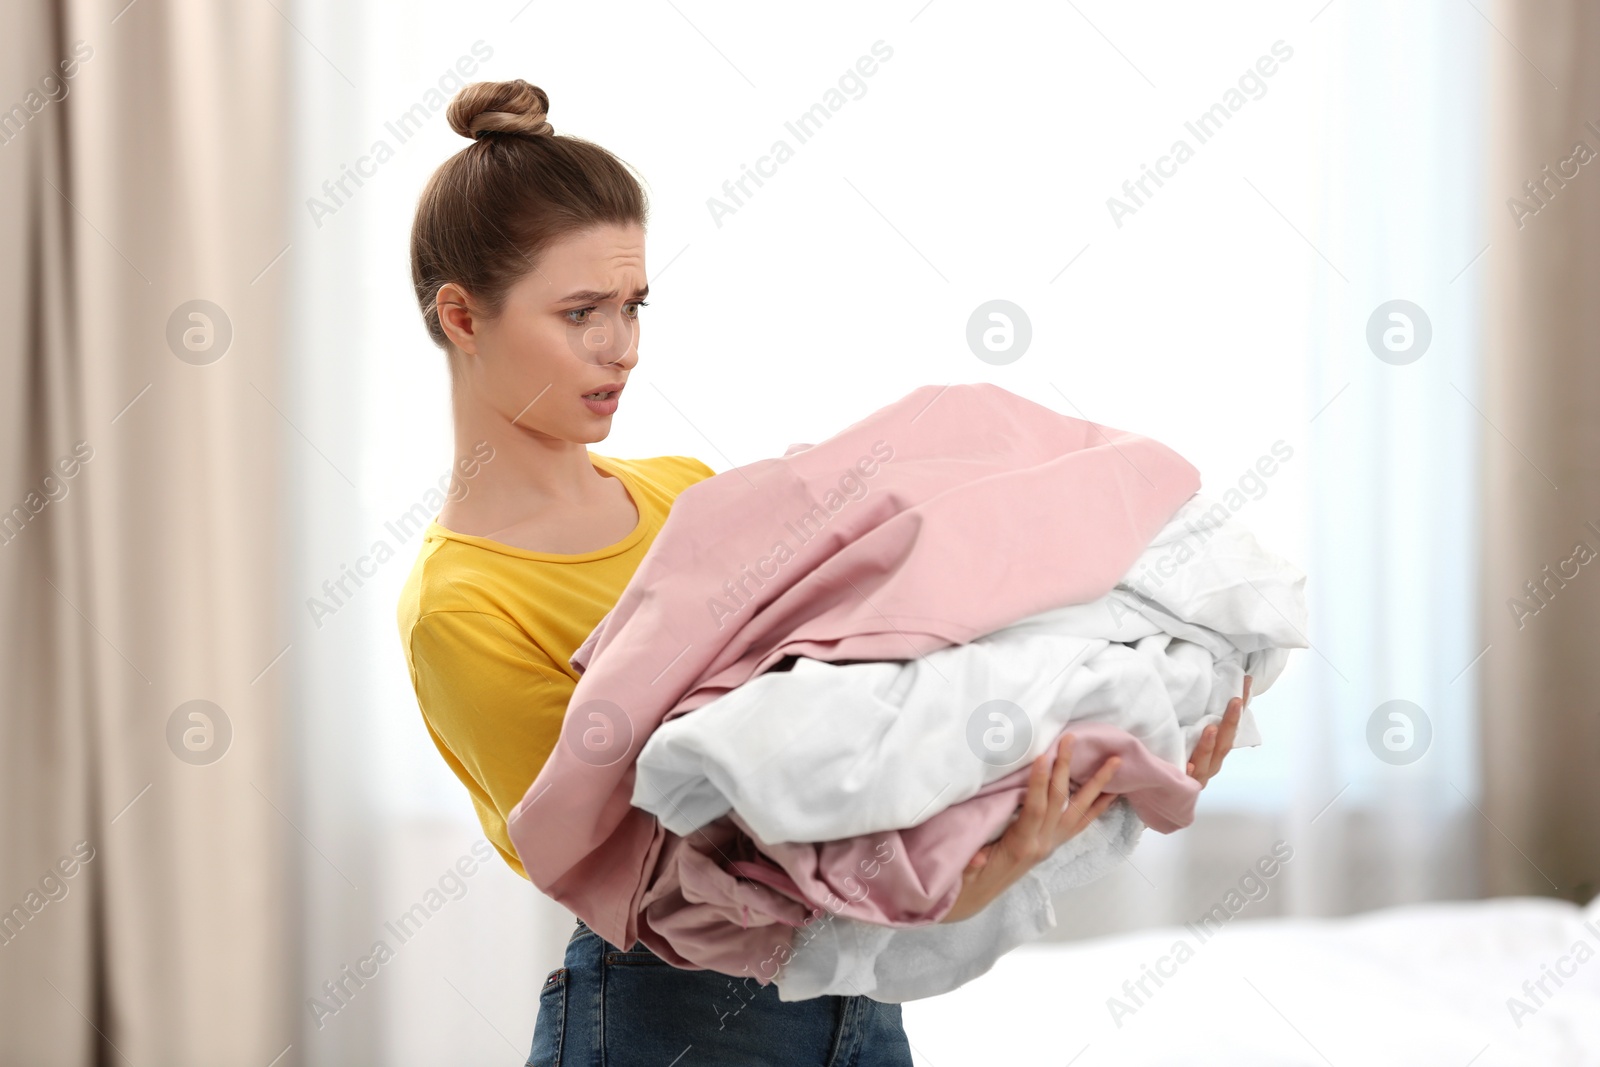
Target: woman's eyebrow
587	296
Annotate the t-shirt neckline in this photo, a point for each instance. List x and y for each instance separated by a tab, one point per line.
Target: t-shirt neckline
600	462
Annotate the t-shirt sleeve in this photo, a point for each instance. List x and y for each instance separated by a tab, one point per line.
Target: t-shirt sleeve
692	470
489	696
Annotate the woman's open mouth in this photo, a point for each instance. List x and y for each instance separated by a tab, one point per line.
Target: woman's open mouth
603	401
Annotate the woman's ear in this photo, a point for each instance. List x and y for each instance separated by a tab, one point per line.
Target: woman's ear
457	317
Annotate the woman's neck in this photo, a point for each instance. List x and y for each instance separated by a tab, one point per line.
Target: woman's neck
526	474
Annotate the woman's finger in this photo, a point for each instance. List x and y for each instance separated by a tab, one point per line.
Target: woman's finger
1200	762
1225	735
1081	817
1034	805
1101	803
1060	789
1098	781
1083	801
1095	809
1061	774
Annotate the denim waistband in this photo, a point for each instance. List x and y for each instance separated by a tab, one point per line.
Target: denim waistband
602	1001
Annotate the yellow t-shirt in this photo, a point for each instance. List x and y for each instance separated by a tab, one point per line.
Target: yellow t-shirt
488	628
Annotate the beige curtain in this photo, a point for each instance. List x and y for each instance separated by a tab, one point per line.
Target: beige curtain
146	861
1541	454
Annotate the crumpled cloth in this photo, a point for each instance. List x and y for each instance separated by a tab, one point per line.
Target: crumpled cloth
825	751
842	957
901	534
862	743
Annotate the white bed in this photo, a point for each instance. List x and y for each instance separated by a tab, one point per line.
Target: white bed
1416	986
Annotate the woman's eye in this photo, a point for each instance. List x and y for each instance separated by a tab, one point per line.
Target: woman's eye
636	305
579	311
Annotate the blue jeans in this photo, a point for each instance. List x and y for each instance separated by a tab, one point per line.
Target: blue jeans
604	1008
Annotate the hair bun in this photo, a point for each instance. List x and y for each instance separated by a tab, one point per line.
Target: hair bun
514	107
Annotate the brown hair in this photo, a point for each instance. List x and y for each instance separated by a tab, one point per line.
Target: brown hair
493	207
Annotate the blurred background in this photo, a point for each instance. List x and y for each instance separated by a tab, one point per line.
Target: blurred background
1372	260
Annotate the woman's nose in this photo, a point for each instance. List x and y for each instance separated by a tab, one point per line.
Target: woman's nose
607	340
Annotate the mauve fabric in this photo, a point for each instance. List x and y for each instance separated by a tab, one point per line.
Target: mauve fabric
938	518
703	916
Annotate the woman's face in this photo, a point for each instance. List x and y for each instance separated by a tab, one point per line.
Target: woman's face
569	327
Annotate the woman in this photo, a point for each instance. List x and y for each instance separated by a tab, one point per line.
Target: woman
528	261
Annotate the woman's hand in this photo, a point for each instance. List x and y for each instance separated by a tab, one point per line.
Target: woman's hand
1216	741
1048	817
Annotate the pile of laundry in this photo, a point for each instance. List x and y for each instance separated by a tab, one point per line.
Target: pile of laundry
823	688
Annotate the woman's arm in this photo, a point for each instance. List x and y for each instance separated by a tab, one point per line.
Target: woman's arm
493	702
1051	817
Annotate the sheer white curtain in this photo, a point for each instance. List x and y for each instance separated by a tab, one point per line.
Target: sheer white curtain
1373	185
1396	443
956	155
